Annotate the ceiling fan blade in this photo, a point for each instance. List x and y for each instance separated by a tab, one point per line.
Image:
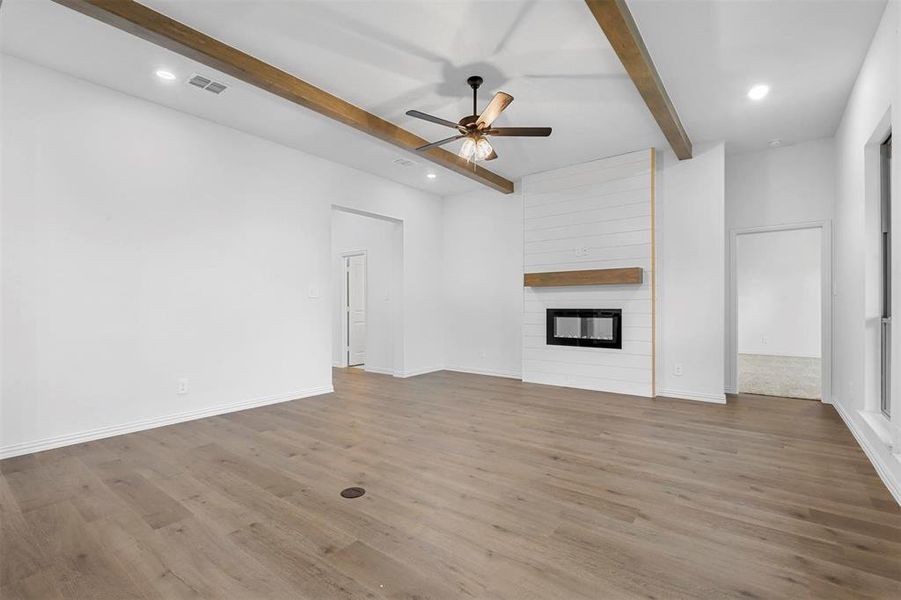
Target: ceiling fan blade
431	118
491	156
439	143
520	131
497	105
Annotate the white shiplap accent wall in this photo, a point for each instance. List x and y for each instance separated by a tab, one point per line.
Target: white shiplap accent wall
596	215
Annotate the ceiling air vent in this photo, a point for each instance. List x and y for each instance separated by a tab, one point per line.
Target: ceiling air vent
199	81
215	87
207	84
403	162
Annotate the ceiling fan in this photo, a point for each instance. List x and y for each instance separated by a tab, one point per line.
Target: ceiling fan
477	127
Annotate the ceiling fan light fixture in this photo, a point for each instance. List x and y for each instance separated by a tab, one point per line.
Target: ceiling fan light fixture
468	149
483	149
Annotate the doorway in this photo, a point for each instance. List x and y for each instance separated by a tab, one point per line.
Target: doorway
367	284
355	309
780	311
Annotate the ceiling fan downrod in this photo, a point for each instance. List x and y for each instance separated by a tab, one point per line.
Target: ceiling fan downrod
474	82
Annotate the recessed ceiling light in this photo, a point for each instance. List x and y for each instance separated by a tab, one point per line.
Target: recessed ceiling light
759	91
431	175
164	74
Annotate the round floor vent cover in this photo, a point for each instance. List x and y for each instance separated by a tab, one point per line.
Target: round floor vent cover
353	492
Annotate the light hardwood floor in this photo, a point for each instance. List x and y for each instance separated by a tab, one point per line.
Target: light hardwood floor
477	487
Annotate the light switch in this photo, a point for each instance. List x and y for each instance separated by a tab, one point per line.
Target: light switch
313	291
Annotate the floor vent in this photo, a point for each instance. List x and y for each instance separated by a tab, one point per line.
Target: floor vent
207	84
352	492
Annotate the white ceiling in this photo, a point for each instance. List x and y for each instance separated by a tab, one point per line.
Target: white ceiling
709	53
388	57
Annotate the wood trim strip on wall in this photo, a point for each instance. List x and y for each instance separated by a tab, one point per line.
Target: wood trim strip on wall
653	273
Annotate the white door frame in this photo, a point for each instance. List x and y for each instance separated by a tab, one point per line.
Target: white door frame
826	293
398	293
342	301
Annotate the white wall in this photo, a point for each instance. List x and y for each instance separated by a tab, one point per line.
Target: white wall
596	215
480	242
856	256
141	245
483	282
778	186
691	273
779	307
381	240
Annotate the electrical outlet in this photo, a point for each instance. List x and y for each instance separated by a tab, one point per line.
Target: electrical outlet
182	386
482	354
677	369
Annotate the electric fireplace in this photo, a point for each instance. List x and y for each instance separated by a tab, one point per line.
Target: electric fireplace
591	327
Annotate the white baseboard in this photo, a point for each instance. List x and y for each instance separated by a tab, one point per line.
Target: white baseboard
891	477
379	370
590	384
489	372
731	389
686	395
140	425
416	372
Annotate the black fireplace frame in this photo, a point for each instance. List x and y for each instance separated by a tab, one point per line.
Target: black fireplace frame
610	313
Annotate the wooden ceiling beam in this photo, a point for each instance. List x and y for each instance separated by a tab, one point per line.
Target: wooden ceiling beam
618	25
149	25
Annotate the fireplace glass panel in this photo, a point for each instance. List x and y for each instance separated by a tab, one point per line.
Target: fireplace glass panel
567	327
599	328
584	327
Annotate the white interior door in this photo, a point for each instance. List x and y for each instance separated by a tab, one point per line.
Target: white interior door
356	309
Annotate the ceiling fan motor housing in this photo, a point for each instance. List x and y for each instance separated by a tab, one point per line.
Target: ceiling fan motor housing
469	121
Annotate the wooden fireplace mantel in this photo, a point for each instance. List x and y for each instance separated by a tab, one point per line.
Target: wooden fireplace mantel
626	275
